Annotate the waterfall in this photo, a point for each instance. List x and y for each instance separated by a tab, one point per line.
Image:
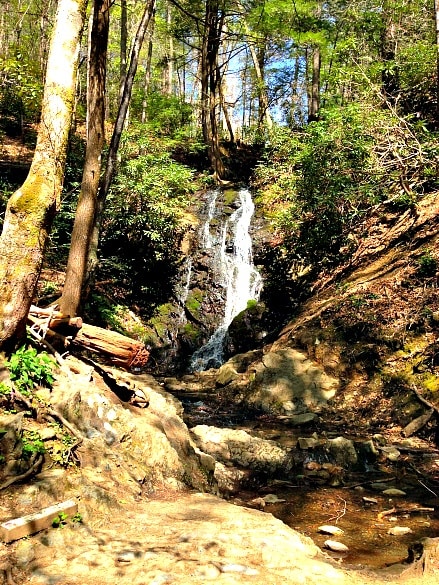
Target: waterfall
236	273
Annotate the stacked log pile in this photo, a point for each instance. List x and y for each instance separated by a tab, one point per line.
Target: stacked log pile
119	349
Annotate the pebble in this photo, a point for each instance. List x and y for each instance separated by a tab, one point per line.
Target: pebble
126	556
235	568
328	529
336	546
399	530
394	492
272	499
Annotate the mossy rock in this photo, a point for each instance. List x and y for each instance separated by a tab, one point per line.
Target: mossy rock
247	329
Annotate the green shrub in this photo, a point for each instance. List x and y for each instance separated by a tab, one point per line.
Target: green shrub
28	369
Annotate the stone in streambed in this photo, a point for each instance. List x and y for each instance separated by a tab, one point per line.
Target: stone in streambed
329	529
336	546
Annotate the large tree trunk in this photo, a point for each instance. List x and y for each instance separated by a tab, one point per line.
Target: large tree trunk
211	82
87	204
110	168
31	208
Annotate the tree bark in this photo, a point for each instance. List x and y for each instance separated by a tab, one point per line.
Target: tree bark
123	45
436	20
314	105
390	74
210	83
31	209
110	168
87	204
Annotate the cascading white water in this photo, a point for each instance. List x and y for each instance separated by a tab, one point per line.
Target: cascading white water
237	274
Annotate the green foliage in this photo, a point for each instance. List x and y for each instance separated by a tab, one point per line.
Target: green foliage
28	368
324	179
32	444
5	390
145	220
318	184
427	265
60	520
20	93
60	234
166	114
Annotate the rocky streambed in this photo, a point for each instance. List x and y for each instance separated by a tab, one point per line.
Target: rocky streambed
162	501
299	460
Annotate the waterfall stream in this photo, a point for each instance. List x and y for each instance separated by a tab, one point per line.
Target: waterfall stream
236	273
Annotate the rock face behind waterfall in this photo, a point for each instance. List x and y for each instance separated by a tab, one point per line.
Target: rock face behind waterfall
217	281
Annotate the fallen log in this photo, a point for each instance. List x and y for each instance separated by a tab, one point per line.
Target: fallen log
121	350
117	348
53	319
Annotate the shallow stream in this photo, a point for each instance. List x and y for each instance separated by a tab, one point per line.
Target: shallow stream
364	514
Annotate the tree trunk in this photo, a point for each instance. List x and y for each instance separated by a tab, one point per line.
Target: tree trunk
123	45
210	83
258	64
31	209
436	19
148	65
87	203
168	73
314	105
115	139
390	74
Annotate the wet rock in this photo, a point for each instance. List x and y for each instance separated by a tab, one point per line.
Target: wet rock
377	486
226	374
272	499
367	451
343	452
297	420
368	500
391	453
307	442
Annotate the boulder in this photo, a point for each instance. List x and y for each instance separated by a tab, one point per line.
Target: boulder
237	447
283	381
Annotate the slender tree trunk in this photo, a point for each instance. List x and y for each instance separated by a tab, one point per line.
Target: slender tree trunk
390	74
87	203
436	15
210	83
258	64
148	65
123	45
314	105
110	168
168	73
31	209
226	115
